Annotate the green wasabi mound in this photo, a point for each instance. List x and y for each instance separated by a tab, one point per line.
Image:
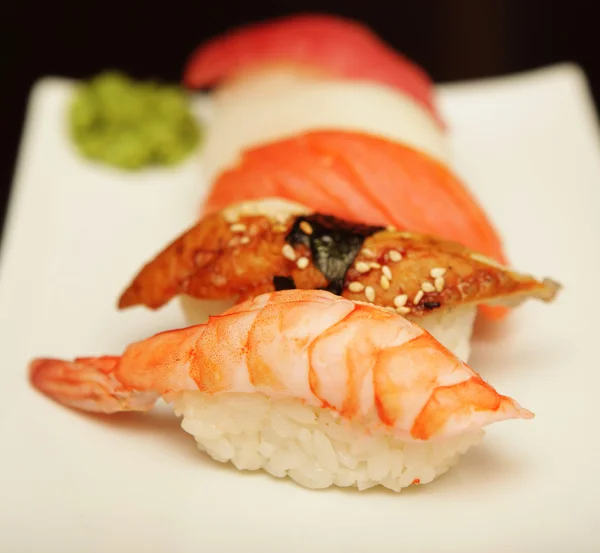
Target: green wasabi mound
132	124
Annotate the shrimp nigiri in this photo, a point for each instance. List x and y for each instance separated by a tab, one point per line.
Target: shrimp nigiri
310	43
303	384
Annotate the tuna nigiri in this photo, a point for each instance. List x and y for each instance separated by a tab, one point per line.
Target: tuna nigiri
361	178
302	384
316	43
262	246
310	72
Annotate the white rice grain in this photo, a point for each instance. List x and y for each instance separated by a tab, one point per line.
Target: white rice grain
347	459
324	452
221	449
284	460
266	449
282	425
396	462
296	411
201	429
313	476
247	456
344	478
306	441
379	465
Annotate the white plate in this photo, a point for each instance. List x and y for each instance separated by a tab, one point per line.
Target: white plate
529	147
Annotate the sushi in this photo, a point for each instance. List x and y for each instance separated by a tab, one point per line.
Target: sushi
313	44
362	178
301	384
261	246
286	76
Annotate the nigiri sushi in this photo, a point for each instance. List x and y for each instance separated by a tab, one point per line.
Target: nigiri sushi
314	44
278	78
362	178
260	246
302	384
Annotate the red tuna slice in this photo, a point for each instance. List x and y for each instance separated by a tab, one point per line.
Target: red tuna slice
340	46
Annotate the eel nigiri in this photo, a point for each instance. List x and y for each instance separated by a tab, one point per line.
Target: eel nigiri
362	178
314	43
257	247
373	399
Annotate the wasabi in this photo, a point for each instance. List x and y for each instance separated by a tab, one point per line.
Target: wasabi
132	124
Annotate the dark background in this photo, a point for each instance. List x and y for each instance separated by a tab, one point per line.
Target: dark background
451	39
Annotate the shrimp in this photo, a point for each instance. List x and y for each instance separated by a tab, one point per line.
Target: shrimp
360	361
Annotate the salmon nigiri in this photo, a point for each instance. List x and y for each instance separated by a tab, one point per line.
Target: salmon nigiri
327	44
362	178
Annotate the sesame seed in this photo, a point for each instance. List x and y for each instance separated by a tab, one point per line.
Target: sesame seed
302	263
402	310
306	228
418	297
384	282
390	309
237	227
387	272
390	228
439	283
367	252
427	287
400	300
278	229
362	267
375	265
437	272
245	240
356	286
370	293
288	252
395	256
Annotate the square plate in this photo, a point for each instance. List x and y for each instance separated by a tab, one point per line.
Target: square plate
528	145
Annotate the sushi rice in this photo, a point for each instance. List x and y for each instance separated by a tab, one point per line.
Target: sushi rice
315	447
252	115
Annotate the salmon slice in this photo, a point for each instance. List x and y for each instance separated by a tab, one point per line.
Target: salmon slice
334	45
361	178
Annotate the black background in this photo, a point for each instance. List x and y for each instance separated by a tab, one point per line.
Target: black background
451	39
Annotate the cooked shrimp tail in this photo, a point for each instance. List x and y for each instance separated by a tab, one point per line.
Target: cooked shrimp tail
88	384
